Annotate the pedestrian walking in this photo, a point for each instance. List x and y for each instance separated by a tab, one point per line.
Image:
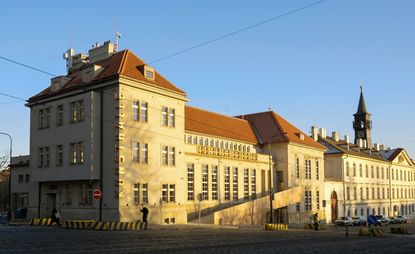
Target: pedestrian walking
144	210
315	221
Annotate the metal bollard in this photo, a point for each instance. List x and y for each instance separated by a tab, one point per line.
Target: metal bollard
347	231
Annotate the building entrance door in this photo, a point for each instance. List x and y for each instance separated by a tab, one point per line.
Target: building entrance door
334	210
50	204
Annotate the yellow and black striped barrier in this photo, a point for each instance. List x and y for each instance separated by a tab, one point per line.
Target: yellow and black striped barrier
41	222
15	222
80	224
377	232
277	226
400	230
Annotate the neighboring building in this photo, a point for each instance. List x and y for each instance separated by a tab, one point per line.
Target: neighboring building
113	123
21	184
4	190
362	179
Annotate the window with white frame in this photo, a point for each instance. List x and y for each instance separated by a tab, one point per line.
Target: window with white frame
172	193
246	183
307	169
135	110
235	183
164	155
205	186
227	183
144	153
136	153
318	200
190	181
136	195
76	153
59	115
317	171
307	200
172	156
164	193
253	183
172	117
214	182
164	112
77	111
144	190
143	111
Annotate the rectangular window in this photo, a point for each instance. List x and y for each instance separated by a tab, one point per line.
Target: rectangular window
172	117
164	193
59	155
144	112
68	194
81	110
235	183
246	183
205	176
20	179
253	183
347	169
361	193
27	178
367	193
40	157
47	118
214	182
73	153
360	170
136	191
74	113
164	121
41	119
59	115
81	152
172	156
227	183
297	167
47	157
164	151
136	155
144	153
172	192
135	110
354	169
144	189
318	200
190	181
297	207
308	169
307	200
86	195
348	193
354	193
367	170
317	171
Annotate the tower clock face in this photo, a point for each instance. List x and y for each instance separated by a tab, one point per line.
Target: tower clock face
360	134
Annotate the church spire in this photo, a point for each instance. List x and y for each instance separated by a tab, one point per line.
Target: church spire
361	109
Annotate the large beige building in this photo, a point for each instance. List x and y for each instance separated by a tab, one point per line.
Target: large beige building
115	124
364	179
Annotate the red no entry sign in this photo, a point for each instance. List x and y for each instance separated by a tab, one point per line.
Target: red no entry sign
97	194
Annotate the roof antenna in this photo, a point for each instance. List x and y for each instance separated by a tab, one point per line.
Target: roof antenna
116	45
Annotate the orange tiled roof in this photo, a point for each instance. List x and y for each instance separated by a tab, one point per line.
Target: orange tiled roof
273	128
123	63
206	122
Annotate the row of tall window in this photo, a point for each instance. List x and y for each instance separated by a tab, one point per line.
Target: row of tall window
76	155
307	169
196	140
76	114
308	201
379	173
140	154
381	210
379	193
140	113
231	188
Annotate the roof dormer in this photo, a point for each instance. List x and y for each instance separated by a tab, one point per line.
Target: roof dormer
149	72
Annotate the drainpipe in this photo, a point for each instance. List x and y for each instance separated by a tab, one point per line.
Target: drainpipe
101	151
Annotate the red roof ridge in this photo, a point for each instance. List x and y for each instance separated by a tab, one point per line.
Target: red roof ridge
219	114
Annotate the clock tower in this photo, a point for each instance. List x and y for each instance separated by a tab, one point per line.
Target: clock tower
362	124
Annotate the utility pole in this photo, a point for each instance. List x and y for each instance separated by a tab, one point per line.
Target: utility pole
271	217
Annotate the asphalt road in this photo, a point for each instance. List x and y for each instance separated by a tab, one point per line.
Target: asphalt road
193	239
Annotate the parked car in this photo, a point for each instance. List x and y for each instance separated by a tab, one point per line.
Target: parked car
401	219
358	221
344	221
383	220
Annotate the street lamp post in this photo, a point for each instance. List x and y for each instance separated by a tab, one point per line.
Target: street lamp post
271	217
10	173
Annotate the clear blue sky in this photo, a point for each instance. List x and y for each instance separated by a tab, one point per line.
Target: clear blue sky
306	66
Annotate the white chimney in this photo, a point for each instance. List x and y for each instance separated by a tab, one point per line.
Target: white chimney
360	143
314	132
347	139
377	147
99	53
335	136
323	132
381	147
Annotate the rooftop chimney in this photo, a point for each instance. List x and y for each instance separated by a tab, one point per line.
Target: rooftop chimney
377	147
381	147
323	132
335	136
57	83
360	143
99	53
314	132
347	139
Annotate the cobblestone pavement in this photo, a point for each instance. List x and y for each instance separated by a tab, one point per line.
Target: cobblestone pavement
193	239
